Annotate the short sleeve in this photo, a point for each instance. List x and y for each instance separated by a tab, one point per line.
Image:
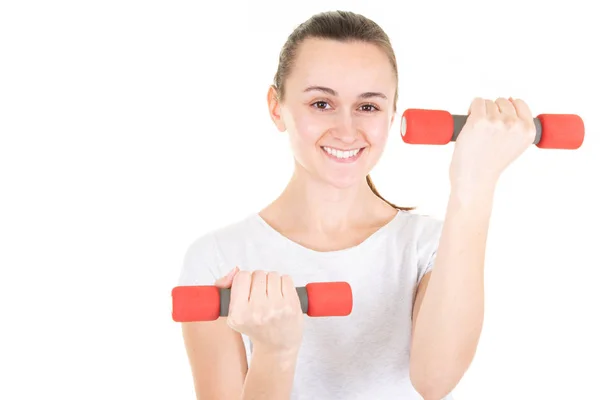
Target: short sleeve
202	264
428	243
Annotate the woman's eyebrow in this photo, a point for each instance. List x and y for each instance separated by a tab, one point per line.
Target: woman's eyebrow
332	92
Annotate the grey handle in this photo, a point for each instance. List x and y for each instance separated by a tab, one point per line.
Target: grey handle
225	296
461	120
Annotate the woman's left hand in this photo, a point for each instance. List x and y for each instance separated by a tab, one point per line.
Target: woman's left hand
494	135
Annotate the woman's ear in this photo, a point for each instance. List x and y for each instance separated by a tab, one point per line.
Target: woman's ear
275	108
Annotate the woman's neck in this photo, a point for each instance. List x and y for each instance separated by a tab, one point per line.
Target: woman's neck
312	206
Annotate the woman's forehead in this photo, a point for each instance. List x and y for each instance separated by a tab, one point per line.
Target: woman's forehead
339	65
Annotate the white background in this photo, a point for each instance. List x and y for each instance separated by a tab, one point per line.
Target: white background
128	129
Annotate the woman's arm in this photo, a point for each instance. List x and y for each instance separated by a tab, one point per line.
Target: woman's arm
217	354
450	313
271	375
217	359
449	308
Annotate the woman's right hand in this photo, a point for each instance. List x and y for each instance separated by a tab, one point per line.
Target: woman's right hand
266	308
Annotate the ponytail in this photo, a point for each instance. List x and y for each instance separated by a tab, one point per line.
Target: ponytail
372	186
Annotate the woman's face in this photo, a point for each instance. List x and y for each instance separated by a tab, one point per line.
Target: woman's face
338	109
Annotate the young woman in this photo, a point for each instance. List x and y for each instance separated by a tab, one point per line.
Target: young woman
417	283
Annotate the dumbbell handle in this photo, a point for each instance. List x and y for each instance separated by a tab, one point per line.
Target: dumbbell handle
225	298
461	120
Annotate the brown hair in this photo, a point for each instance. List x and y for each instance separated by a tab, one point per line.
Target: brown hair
342	26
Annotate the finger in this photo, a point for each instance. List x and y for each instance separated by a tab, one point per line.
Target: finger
258	288
522	110
288	290
477	107
274	285
240	289
491	109
226	281
506	107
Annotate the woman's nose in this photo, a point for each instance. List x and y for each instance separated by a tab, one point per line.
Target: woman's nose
345	128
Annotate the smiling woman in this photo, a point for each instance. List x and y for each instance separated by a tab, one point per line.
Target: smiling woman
334	94
374	67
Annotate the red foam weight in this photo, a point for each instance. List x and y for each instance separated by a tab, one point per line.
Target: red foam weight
329	299
421	126
195	303
561	131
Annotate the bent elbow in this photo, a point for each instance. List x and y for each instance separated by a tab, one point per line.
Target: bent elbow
430	387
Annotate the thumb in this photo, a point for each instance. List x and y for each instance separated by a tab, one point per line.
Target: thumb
226	281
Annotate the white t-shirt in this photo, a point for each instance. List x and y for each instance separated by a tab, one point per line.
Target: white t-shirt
361	356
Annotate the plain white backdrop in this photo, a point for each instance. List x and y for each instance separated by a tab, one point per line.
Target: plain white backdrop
128	129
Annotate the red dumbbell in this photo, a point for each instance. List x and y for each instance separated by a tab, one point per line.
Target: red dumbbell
553	131
207	303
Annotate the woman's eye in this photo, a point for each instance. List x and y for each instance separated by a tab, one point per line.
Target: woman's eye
368	108
320	104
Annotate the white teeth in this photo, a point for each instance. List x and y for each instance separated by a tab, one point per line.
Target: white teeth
341	153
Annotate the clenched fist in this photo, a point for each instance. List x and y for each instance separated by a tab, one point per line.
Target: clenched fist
266	308
494	135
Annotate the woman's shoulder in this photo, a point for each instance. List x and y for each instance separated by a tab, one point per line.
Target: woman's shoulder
419	220
205	257
231	231
421	223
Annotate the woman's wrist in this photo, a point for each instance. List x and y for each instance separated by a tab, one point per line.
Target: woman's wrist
280	357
